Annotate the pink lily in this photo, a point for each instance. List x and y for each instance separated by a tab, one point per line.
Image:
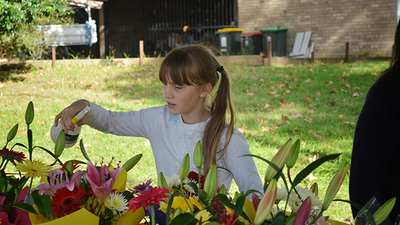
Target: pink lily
334	186
101	181
57	180
303	213
266	204
256	201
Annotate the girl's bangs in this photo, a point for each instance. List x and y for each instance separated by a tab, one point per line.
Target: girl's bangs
176	69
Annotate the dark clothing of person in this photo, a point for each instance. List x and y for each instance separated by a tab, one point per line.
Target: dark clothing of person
375	167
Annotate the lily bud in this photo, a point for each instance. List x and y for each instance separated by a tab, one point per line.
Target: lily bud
304	212
334	186
128	165
60	144
185	167
314	189
210	184
266	203
29	113
279	160
198	156
161	182
12	133
384	211
222	190
294	153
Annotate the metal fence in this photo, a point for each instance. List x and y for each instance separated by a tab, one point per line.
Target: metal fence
160	24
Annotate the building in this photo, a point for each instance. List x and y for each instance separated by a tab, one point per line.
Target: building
368	26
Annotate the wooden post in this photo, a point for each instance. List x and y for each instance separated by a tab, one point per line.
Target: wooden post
141	51
312	57
346	56
269	53
102	36
53	55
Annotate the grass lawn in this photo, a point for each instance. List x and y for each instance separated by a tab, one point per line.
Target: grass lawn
317	103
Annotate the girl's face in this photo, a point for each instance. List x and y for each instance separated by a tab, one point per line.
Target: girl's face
189	101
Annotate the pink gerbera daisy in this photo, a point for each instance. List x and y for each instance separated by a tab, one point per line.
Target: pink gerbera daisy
66	202
149	197
12	155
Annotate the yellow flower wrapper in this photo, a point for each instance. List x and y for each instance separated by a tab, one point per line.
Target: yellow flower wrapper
81	216
120	182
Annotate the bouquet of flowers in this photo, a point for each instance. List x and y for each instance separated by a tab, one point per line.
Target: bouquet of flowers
185	200
14	181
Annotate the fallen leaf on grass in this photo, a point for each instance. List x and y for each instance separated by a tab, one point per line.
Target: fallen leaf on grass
262	122
307	80
318	93
347	85
334	90
356	88
296	114
294	80
283	102
266	129
374	74
284	118
332	103
355	94
266	105
296	129
250	93
4	115
308	98
311	178
319	136
328	146
340	116
308	120
272	92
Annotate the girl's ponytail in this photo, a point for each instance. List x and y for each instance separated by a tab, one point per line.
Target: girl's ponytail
220	106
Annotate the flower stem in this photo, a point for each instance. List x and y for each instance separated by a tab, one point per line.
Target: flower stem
153	215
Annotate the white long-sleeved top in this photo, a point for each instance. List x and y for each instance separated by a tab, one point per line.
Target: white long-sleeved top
171	139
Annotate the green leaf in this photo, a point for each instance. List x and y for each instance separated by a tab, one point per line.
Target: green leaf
84	153
60	144
12	133
128	165
29	114
184	219
279	219
312	166
43	203
25	207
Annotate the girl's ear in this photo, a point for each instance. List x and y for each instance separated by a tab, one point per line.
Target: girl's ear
205	90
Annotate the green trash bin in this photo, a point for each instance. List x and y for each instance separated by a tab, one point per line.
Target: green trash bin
252	43
229	40
278	39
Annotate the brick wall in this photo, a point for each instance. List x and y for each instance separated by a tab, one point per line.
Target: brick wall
367	25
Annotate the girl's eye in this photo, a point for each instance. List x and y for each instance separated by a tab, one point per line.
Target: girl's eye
178	87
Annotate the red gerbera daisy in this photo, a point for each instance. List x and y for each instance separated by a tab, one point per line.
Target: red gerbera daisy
195	176
66	202
12	155
151	196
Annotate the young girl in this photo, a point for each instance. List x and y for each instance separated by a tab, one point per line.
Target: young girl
189	75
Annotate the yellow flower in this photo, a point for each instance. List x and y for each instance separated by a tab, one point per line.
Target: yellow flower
34	169
179	202
203	216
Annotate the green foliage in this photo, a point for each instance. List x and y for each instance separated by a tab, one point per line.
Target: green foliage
18	20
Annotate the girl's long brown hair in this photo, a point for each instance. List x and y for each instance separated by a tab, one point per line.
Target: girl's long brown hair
195	64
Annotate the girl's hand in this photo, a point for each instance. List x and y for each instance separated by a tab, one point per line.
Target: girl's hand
65	116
